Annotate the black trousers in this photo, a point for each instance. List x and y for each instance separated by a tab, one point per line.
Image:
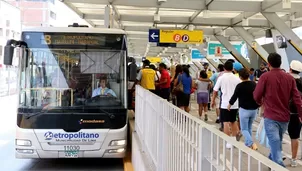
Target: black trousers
165	93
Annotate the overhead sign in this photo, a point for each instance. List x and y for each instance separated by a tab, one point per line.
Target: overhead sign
217	50
176	36
196	55
154	59
181	36
154	35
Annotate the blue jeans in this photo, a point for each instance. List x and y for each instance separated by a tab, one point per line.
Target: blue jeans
275	131
247	118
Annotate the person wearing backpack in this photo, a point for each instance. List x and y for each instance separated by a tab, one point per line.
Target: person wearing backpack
294	126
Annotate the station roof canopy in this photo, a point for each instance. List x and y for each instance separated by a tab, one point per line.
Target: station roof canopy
136	17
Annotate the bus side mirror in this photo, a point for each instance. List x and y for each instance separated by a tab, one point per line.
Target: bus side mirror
8	55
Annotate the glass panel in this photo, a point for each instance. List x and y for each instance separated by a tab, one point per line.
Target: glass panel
71	75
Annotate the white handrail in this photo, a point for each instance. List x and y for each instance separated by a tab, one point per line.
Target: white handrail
174	140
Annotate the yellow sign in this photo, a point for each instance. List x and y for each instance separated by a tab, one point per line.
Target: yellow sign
181	36
154	59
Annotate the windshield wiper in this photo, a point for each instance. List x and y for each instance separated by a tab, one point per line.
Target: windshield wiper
36	114
111	116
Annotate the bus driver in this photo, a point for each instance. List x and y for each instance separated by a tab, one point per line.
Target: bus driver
103	90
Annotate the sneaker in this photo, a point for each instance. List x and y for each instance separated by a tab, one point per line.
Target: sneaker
238	136
221	129
217	121
205	117
254	147
293	163
228	146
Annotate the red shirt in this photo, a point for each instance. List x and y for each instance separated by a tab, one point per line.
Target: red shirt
276	88
165	75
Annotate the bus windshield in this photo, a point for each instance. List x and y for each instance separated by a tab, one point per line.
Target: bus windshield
70	70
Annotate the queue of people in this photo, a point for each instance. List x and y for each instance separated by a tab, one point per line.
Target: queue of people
282	110
238	94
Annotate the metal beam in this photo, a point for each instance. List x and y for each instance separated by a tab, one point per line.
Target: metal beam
78	12
117	16
249	39
233	51
206	31
257	23
217	5
285	30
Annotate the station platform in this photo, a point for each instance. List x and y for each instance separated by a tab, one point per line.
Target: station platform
8	162
261	149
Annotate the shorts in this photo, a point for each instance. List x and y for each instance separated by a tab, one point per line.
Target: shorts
217	102
228	116
202	97
294	126
183	99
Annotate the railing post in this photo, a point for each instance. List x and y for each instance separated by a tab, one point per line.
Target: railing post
204	152
160	131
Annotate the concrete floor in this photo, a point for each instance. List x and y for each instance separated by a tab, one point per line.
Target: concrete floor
263	150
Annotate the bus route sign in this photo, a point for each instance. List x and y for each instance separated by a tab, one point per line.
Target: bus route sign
73	40
181	36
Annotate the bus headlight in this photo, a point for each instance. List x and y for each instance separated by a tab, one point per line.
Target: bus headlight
25	151
120	150
23	142
117	142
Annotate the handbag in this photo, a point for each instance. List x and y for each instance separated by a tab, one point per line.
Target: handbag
179	87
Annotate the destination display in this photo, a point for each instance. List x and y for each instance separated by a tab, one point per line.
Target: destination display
73	40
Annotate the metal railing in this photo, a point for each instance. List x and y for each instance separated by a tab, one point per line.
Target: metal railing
173	140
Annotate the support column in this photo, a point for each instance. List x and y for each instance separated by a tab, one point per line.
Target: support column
107	17
249	39
213	63
233	51
286	31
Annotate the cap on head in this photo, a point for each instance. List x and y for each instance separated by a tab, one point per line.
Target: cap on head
296	65
237	66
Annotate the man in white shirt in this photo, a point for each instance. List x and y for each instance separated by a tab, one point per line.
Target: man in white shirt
227	84
103	90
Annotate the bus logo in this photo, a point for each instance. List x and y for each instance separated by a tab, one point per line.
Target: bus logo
48	135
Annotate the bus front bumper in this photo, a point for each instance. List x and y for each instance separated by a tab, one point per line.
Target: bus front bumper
29	153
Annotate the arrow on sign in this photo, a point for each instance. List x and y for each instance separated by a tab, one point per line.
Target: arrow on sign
153	36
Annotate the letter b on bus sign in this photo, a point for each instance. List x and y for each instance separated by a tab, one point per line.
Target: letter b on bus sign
177	37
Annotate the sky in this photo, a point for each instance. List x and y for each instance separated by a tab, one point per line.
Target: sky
65	14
